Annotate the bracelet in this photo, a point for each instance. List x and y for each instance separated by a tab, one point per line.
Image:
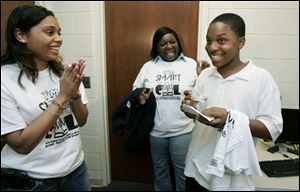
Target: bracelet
76	97
53	113
59	105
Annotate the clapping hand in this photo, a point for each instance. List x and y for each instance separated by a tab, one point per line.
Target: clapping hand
81	63
71	78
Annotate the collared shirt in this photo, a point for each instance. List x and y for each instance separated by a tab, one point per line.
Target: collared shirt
251	91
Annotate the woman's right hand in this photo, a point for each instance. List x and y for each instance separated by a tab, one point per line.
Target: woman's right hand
201	65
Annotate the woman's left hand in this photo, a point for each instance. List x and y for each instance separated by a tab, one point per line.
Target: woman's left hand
81	63
201	65
145	94
78	69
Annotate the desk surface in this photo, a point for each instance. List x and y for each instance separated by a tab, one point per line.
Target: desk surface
266	183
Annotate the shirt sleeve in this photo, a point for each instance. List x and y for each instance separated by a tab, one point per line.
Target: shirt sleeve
139	81
84	97
269	107
11	119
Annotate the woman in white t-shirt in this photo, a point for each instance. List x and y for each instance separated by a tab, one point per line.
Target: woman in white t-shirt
168	74
43	104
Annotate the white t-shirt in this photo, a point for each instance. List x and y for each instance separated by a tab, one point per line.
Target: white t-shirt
60	151
168	81
251	91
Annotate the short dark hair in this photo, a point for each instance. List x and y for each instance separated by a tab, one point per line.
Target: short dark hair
24	18
157	37
235	21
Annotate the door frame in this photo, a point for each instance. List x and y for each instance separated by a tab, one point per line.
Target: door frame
203	22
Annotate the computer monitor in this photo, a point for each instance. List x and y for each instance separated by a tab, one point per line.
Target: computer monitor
290	132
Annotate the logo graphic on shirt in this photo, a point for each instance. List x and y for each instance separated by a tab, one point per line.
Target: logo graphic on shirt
61	130
50	94
167	87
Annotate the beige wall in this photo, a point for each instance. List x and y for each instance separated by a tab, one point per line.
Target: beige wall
272	39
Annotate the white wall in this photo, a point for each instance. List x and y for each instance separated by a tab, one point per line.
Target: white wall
272	39
272	42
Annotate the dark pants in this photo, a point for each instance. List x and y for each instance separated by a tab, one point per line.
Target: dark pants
78	180
192	185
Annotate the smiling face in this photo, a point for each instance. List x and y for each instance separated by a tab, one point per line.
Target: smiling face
223	45
44	41
167	47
